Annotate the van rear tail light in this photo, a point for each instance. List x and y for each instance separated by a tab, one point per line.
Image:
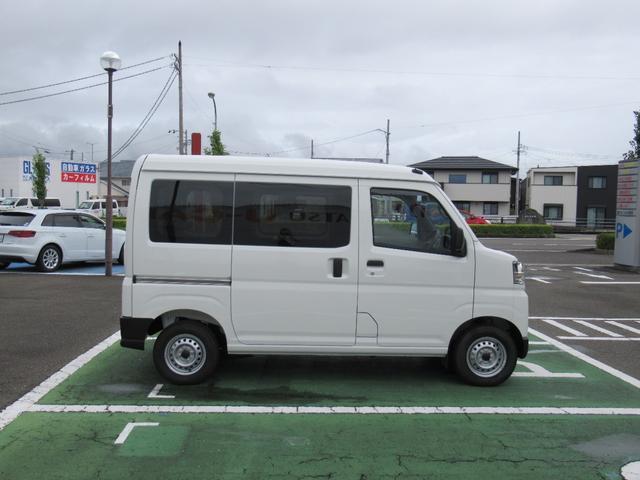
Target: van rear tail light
22	233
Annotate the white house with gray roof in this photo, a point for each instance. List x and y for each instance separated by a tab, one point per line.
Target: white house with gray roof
120	181
474	184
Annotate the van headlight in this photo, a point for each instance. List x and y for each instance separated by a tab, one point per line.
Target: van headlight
518	273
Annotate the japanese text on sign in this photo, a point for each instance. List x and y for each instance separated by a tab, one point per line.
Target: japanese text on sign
78	172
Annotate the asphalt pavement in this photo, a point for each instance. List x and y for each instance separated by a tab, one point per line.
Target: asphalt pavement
47	321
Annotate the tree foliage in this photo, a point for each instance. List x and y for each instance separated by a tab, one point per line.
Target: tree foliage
635	143
39	177
217	147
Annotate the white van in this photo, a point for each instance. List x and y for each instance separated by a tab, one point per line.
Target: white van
10	203
311	257
98	207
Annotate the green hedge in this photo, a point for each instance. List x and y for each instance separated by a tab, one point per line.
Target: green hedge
513	230
605	241
120	222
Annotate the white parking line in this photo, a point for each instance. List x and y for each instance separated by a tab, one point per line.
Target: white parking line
598	329
591	361
621	319
593	275
538	279
565	328
29	399
372	410
610	339
623	326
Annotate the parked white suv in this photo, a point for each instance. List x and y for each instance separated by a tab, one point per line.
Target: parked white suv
50	238
99	207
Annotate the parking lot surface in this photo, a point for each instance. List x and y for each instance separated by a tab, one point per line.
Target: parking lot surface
571	409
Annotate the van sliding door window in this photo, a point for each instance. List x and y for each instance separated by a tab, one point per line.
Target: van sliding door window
185	211
292	215
410	220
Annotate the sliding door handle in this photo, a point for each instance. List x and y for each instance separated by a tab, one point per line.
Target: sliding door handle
337	267
375	263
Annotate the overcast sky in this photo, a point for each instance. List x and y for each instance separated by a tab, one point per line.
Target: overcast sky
454	77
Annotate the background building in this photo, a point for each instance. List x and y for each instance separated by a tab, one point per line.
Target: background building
71	182
120	182
476	185
574	196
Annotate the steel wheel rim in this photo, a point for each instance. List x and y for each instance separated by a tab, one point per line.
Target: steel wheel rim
50	258
486	357
185	354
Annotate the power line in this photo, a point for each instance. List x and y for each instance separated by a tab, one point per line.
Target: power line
154	107
78	79
323	143
593	156
520	115
39	97
217	63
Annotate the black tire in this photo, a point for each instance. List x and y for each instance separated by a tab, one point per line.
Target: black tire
50	258
485	356
186	353
121	256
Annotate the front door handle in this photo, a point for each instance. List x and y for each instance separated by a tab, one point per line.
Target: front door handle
375	263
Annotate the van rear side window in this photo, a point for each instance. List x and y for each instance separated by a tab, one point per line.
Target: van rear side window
185	211
292	215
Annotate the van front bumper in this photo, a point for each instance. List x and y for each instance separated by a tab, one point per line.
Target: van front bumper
134	331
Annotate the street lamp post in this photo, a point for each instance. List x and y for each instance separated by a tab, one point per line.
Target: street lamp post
110	61
212	96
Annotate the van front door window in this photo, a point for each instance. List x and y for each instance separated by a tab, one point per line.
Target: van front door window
410	220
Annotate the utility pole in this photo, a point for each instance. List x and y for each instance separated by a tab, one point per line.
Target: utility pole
92	144
312	148
518	177
71	152
387	133
180	118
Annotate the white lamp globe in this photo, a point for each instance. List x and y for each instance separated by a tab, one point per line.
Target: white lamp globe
110	61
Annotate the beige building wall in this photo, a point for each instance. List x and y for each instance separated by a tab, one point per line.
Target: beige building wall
539	194
475	192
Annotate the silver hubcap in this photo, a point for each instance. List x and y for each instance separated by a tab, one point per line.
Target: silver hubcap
50	258
185	354
486	357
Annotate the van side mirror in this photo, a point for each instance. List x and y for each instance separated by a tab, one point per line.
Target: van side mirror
458	244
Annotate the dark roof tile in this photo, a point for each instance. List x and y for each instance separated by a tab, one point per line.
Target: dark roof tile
462	163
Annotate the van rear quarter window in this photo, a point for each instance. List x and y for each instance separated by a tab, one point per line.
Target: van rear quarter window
292	215
186	211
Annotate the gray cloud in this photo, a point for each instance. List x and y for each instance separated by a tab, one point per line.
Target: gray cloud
436	54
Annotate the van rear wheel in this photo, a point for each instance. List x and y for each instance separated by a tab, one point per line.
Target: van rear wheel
485	356
186	353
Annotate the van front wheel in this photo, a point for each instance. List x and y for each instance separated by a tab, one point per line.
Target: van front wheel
186	353
485	356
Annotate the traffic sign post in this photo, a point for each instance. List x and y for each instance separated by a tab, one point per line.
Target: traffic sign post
627	246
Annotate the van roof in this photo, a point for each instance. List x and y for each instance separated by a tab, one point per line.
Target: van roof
280	166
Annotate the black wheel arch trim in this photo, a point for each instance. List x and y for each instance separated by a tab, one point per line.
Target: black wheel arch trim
522	344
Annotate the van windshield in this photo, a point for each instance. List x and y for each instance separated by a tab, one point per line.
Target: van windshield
8	201
85	205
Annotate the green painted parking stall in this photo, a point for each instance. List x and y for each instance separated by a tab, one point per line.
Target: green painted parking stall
548	377
562	414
